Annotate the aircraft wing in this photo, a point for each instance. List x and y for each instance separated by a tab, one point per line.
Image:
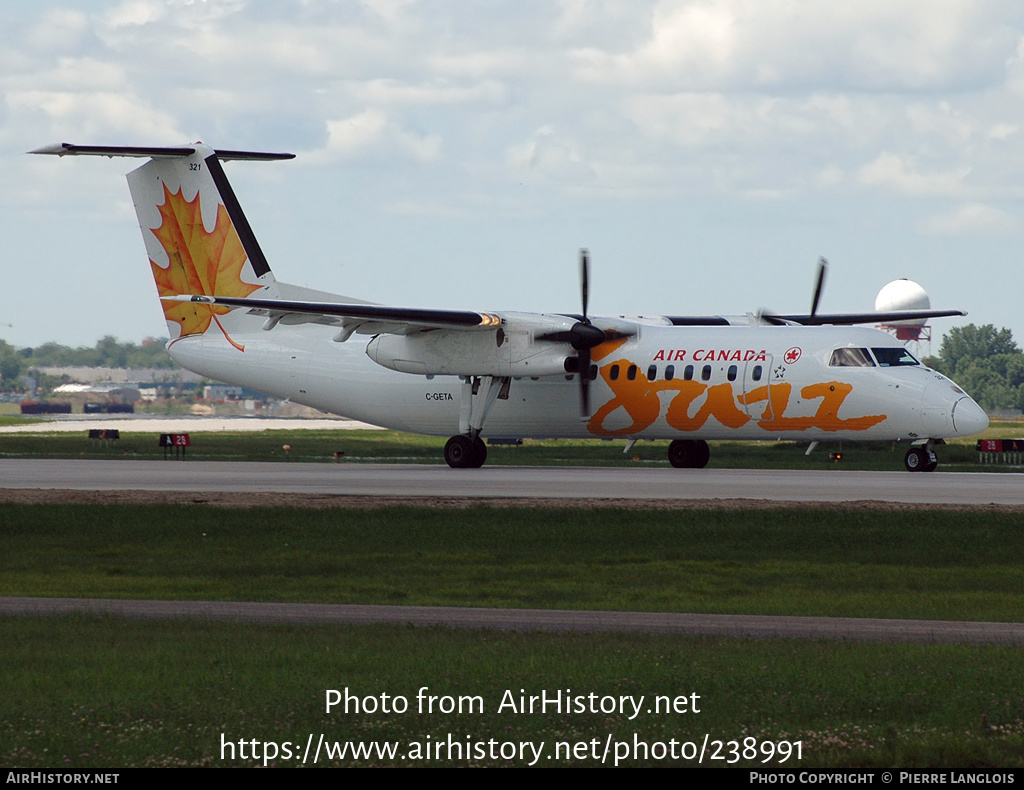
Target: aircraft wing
819	319
864	318
372	319
365	319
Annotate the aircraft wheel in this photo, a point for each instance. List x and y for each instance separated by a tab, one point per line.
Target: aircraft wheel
460	452
680	453
479	453
689	454
916	459
931	466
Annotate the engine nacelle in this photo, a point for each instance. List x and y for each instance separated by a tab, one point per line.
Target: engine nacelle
507	350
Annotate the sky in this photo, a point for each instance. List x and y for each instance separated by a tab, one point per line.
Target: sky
458	154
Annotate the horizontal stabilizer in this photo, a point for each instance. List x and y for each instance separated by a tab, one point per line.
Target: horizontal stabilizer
150	152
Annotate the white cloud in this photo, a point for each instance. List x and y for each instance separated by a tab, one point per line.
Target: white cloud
134	13
390	10
691	42
549	156
139	13
59	29
484	64
70	74
436	92
611	24
941	120
872	44
971	218
1003	131
372	134
97	116
903	174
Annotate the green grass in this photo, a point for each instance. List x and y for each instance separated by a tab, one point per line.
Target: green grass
860	563
12	419
92	692
368	446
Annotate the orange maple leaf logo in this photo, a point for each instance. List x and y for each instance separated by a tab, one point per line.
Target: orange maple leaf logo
201	263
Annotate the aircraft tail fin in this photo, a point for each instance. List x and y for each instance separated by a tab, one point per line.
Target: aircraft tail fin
197	237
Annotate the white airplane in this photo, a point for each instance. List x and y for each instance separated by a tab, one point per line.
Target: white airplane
516	375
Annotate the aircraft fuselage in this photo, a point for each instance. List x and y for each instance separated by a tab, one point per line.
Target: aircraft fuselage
663	383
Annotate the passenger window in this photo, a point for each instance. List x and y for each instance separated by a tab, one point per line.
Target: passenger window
613	374
732	373
688	372
756	374
652	372
850	358
631	372
670	372
705	373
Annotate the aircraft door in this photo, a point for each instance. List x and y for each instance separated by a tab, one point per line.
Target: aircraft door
757	378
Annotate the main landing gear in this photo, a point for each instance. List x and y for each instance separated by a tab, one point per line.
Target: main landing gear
461	452
479	393
921	459
689	453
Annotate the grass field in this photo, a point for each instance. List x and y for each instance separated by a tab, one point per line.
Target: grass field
394	447
83	692
80	691
860	563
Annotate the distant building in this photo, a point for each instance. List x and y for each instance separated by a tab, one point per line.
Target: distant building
222	392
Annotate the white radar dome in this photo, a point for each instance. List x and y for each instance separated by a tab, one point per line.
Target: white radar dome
903	295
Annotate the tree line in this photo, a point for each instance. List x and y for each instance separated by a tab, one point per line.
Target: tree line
985	362
108	352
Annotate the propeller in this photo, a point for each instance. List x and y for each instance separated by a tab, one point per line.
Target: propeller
583	336
765	317
819	285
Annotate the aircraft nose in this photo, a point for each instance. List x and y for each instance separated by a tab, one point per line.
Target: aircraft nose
968	417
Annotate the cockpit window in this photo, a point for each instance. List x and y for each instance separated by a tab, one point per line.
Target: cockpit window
851	358
894	357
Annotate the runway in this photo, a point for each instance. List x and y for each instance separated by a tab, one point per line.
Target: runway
517	482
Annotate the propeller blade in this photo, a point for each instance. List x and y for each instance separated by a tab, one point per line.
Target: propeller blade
556	337
819	285
585	281
581	336
584	374
765	317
